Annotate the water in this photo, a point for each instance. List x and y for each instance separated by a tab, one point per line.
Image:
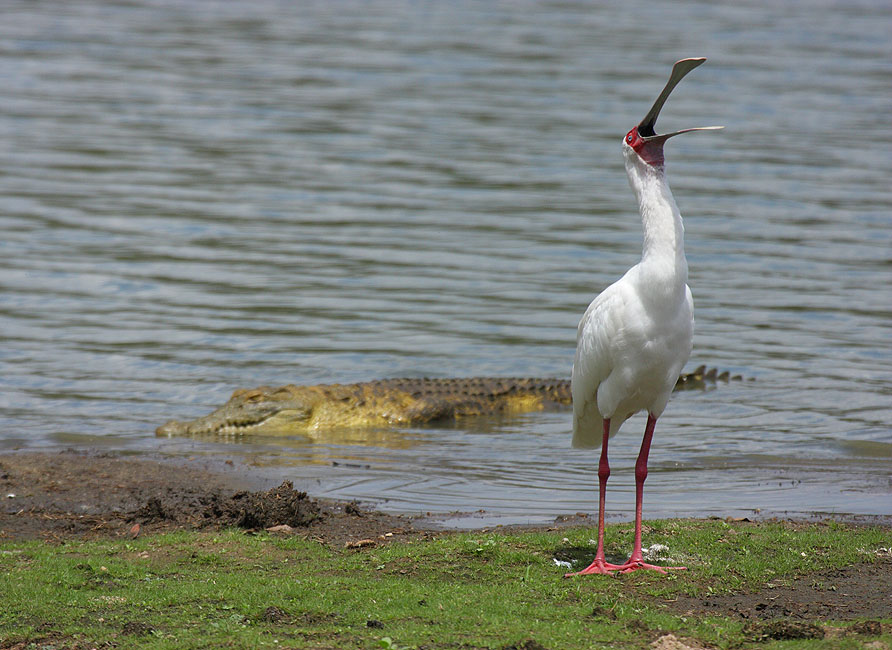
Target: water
201	196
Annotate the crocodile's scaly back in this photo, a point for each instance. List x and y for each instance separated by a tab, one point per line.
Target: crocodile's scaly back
437	399
386	402
293	409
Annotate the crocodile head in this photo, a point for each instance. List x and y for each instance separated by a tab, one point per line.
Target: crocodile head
258	411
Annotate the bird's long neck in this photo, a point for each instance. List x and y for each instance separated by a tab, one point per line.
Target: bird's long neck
663	255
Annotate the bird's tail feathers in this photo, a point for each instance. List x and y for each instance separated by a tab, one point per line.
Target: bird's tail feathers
588	428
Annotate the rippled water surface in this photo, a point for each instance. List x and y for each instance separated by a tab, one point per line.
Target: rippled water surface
201	196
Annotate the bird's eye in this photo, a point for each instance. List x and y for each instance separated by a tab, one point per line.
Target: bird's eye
629	137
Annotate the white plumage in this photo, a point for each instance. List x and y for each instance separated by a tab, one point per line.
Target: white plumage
636	336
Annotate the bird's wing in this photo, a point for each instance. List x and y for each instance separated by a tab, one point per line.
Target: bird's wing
593	364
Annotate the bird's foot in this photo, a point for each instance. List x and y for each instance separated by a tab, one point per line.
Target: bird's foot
635	565
598	567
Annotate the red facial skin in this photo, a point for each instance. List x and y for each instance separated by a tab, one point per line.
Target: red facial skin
650	151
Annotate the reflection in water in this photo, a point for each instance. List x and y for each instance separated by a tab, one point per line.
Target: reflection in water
385	437
200	196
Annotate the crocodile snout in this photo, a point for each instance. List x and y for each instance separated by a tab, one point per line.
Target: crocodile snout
171	428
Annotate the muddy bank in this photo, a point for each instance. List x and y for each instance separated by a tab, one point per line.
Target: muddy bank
84	495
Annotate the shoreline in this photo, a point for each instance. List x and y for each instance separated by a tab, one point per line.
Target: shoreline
83	494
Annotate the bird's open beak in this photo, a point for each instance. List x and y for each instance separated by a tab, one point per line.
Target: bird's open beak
646	126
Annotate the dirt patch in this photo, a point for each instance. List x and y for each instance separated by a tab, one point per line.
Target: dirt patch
853	592
137	628
60	642
82	495
281	506
529	644
275	615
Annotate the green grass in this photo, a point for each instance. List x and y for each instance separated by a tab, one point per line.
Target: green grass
469	590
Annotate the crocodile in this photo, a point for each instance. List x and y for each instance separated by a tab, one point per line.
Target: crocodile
289	410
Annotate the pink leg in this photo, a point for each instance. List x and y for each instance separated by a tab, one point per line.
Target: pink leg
636	561
600	565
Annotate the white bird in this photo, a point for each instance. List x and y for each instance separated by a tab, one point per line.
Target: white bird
636	336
